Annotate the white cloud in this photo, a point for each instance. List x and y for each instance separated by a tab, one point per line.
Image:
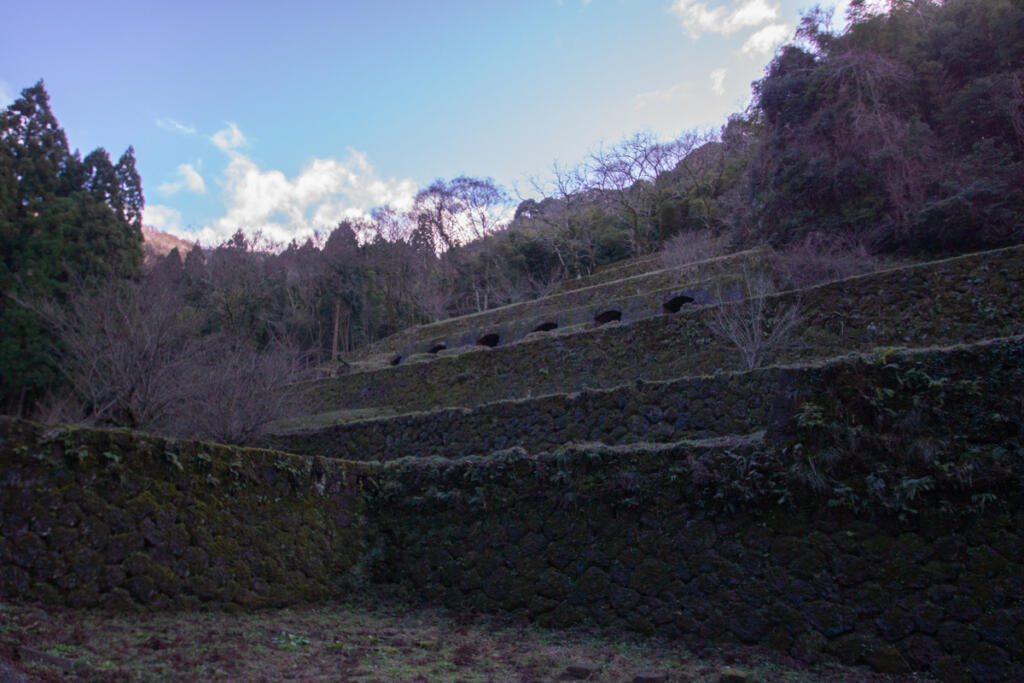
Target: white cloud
699	17
718	80
229	139
189	180
673	94
163	218
765	41
323	194
173	126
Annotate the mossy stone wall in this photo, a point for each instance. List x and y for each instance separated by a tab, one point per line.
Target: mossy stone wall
976	379
880	521
120	520
964	299
653	412
675	541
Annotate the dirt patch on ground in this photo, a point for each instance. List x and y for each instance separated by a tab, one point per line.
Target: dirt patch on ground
366	641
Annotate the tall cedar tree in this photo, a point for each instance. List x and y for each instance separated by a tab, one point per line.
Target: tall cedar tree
65	222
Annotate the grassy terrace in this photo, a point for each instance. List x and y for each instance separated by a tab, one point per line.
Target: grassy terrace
614	271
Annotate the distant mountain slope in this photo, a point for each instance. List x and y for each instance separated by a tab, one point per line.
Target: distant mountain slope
156	243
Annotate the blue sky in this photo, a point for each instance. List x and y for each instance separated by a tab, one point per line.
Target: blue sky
290	116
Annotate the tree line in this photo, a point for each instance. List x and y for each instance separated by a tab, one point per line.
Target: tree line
901	134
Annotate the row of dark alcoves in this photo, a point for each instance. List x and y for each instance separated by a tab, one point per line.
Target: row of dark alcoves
492	339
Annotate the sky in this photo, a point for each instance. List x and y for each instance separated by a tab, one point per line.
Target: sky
288	117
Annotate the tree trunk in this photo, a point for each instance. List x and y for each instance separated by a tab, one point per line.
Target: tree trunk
337	322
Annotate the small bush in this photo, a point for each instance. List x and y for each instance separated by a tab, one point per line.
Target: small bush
690	247
821	257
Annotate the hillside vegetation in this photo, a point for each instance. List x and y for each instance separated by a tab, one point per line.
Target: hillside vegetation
899	137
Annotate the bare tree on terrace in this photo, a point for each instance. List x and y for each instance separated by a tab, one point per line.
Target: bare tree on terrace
758	325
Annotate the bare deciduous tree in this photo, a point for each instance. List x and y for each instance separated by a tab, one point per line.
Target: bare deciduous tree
124	348
133	356
821	257
234	390
452	213
759	325
627	175
690	247
559	219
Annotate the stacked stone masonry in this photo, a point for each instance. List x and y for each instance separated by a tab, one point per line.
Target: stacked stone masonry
115	519
964	299
659	412
613	541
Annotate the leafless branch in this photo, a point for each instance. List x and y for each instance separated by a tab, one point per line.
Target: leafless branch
758	326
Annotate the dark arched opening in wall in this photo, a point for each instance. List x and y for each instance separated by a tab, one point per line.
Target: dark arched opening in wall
675	303
437	347
545	327
607	317
396	360
490	339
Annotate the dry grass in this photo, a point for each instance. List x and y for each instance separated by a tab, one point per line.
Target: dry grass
364	642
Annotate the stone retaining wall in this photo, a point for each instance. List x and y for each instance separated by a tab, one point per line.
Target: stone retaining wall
879	522
643	294
686	542
121	520
964	299
689	408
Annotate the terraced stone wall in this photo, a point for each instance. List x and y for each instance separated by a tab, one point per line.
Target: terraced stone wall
642	294
677	542
654	412
121	520
963	299
977	378
880	521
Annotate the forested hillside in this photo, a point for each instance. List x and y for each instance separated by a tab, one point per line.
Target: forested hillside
906	131
897	136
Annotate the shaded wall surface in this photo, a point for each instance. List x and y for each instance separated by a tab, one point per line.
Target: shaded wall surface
645	541
122	520
908	564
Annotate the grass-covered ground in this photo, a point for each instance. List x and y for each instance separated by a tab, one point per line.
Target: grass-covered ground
355	642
